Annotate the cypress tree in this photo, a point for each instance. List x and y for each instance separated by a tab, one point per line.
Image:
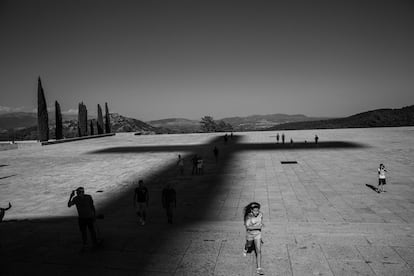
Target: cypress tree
82	120
59	127
85	120
107	119
91	126
42	116
100	123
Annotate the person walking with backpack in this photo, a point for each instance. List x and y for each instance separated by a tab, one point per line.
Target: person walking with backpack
86	215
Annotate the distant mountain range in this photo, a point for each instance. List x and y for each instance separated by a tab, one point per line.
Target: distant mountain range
27	119
24	125
261	122
249	123
386	117
120	123
177	125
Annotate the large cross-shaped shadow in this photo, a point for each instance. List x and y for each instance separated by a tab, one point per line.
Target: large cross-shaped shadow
196	199
205	195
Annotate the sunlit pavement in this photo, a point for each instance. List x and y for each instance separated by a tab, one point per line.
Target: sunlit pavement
320	217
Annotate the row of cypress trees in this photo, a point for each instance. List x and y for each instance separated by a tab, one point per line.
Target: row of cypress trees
43	118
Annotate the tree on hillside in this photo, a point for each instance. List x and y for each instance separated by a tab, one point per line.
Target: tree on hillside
82	120
42	116
107	119
58	119
208	124
100	123
223	126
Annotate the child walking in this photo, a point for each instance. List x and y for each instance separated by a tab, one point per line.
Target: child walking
253	221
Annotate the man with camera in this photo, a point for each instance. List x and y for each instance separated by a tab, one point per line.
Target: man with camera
86	214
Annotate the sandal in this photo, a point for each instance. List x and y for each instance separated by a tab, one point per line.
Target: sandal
259	271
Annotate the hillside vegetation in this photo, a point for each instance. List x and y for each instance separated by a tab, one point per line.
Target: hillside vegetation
70	127
375	118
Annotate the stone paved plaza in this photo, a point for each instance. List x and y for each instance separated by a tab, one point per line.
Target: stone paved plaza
320	217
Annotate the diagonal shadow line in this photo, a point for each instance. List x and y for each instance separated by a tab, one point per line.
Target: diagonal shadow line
197	202
4	177
235	147
375	189
300	145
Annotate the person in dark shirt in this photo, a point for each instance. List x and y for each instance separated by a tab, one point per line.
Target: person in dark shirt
216	153
180	163
195	162
3	211
86	214
141	199
169	201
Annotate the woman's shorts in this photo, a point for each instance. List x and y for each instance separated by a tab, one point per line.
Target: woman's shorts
253	235
381	181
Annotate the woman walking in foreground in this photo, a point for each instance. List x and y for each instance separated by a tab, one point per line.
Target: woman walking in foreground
253	221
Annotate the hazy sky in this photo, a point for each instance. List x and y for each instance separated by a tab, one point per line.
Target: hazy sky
160	59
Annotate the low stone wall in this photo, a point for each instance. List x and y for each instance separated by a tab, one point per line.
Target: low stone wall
7	146
76	139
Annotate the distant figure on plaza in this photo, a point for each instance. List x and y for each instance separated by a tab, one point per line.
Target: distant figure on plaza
3	211
86	214
283	138
141	199
225	138
316	139
381	178
231	135
277	138
180	164
200	165
291	140
253	221
169	201
194	160
216	153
